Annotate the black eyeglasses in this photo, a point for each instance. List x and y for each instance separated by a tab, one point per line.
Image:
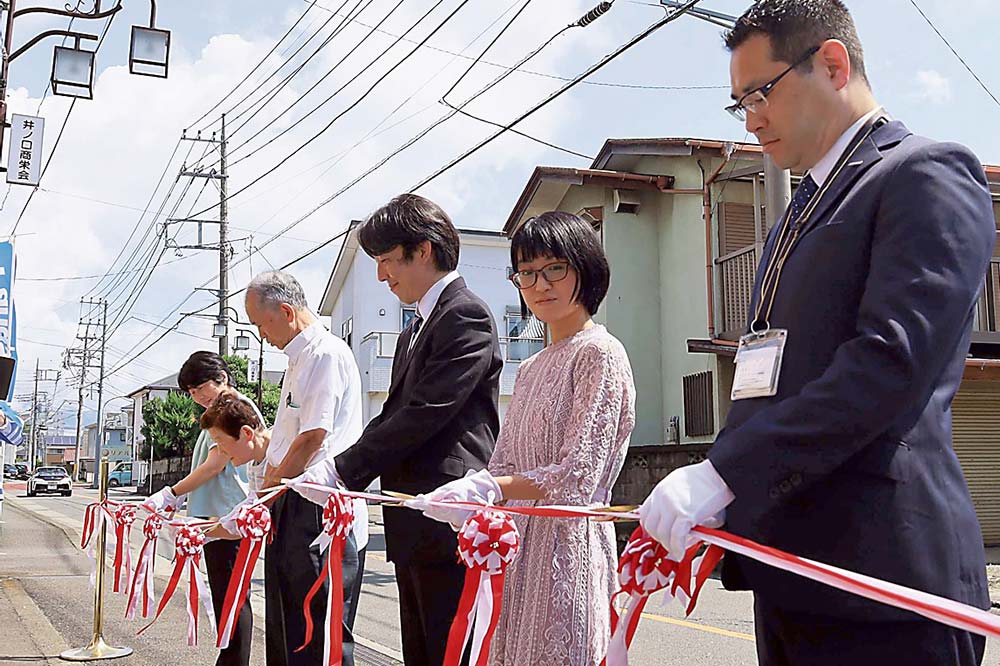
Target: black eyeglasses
553	272
756	100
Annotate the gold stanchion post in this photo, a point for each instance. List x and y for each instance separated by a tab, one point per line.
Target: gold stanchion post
98	649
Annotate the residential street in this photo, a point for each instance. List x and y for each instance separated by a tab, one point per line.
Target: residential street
46	604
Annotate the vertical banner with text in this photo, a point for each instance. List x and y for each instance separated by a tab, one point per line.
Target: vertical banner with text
24	155
8	322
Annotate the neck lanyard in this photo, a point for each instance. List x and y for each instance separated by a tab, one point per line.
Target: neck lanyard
790	231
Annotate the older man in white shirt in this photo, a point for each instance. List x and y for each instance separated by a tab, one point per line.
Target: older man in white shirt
319	416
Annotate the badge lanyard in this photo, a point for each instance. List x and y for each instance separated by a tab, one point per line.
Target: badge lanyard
758	358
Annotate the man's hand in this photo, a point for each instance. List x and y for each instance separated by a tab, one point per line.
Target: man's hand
478	487
162	501
323	473
688	496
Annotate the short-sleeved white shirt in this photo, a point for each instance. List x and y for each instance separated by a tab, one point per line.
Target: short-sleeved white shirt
321	390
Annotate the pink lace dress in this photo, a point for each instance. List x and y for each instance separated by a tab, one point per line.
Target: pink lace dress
567	429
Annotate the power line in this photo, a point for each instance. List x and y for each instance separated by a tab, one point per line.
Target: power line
255	67
952	49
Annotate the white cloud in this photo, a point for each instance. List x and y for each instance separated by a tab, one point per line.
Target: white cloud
933	87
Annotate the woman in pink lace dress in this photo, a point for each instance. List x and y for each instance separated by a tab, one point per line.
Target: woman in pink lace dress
563	441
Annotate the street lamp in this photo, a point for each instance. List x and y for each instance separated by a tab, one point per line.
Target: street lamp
243	343
73	72
149	52
220	329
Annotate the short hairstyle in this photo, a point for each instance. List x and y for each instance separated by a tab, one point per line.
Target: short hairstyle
407	221
201	367
795	26
229	413
276	287
568	237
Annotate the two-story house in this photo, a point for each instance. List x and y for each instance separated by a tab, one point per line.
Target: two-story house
369	317
683	222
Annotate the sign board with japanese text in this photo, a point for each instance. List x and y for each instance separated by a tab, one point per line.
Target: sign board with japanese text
253	371
24	154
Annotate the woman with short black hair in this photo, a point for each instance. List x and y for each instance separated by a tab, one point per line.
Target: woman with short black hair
213	488
563	441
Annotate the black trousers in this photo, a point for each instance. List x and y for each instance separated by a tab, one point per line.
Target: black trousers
291	566
793	638
220	559
428	599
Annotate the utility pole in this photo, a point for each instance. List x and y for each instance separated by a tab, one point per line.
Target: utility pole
34	423
84	359
224	247
777	191
100	391
223	244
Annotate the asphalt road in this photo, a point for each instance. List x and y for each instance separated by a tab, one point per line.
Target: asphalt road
54	573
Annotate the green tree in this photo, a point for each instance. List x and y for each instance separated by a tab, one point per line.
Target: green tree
271	392
170	425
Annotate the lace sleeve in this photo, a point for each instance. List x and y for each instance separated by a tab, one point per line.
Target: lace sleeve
593	444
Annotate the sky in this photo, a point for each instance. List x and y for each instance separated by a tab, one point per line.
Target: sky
86	219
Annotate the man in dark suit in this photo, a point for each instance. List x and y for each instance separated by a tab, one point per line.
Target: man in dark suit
838	448
440	419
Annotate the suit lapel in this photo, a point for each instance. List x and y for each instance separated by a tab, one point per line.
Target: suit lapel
446	295
867	155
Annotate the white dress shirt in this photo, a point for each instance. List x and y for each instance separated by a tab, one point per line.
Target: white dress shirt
822	170
321	390
427	302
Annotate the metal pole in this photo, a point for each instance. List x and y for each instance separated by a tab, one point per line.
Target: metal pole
79	412
777	190
98	648
8	43
223	243
100	390
260	378
34	423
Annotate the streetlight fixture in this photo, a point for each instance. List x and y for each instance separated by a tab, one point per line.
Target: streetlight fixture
73	72
220	329
242	343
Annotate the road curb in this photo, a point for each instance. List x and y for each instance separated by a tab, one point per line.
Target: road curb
46	643
71	534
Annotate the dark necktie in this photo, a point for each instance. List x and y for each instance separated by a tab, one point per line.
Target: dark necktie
418	321
807	188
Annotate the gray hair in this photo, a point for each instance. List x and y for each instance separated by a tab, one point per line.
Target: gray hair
276	287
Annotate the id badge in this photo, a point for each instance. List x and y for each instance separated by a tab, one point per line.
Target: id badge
758	364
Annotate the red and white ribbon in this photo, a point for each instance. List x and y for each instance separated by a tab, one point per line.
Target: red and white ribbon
644	569
487	544
142	579
125	515
95	519
338	519
253	523
188	548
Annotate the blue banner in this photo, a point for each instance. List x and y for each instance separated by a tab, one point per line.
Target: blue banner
12	428
8	326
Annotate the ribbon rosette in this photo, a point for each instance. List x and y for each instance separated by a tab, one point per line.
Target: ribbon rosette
644	569
253	523
124	517
142	579
188	547
488	543
338	519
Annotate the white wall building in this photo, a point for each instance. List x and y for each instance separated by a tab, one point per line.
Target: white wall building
369	317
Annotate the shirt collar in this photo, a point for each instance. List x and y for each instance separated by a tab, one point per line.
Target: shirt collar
822	170
293	350
426	304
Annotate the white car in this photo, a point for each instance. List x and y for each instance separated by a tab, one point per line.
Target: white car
50	480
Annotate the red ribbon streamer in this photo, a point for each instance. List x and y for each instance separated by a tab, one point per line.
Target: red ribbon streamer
142	579
338	519
253	524
124	517
487	544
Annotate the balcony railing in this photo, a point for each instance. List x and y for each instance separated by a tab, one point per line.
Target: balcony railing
736	273
988	309
383	343
515	350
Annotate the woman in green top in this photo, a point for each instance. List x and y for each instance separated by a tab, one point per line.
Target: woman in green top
212	489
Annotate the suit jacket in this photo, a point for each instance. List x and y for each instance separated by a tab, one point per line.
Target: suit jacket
851	463
439	421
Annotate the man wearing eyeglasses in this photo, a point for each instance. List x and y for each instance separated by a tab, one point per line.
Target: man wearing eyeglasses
838	443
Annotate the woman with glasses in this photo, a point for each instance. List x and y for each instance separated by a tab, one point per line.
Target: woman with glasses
563	441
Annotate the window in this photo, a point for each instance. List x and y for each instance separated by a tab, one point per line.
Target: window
347	331
524	337
407	314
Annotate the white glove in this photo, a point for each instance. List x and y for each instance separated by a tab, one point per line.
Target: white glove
163	500
479	487
228	521
688	496
323	473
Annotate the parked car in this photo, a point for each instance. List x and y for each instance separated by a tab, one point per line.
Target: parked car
121	475
50	480
9	471
22	471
